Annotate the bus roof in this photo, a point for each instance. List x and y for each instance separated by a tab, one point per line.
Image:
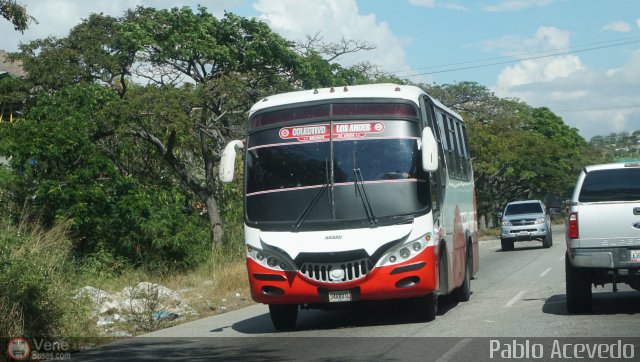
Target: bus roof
385	90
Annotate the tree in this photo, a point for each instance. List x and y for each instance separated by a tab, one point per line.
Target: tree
63	173
232	62
16	14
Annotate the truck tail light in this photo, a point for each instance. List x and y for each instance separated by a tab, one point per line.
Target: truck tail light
573	226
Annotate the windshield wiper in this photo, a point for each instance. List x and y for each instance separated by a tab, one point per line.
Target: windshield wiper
309	207
314	201
359	182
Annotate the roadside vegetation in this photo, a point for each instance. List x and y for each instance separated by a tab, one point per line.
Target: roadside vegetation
110	161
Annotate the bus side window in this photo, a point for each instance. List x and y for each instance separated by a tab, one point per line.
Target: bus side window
452	164
462	157
436	179
467	153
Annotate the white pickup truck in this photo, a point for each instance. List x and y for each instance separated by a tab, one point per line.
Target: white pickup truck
602	232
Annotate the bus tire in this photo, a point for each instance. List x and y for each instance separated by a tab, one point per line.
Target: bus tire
578	284
283	316
463	293
427	307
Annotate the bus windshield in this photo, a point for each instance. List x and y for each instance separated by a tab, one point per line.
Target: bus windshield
282	179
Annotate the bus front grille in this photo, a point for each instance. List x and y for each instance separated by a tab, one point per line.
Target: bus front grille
336	272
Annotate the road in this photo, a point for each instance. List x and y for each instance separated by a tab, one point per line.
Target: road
518	296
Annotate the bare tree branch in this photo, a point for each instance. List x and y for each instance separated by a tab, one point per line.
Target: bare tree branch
331	50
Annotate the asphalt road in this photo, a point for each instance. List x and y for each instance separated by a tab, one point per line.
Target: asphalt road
518	304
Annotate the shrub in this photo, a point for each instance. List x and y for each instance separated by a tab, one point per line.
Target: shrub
33	266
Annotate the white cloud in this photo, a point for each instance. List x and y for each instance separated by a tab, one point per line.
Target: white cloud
638	23
619	26
425	3
514	5
433	4
546	38
538	71
597	102
335	19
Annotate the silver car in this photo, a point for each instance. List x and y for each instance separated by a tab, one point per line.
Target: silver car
524	221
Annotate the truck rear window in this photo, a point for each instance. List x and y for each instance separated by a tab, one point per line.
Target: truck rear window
621	184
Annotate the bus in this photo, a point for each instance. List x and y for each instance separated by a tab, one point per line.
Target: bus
355	194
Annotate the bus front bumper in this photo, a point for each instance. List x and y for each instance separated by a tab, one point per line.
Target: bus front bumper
413	278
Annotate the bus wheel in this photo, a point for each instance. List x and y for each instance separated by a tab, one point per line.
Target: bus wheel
427	307
463	293
283	316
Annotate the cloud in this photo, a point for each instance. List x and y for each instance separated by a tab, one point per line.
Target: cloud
597	102
433	4
335	19
638	23
546	38
619	26
515	5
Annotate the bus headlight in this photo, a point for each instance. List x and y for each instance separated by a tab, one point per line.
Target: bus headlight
270	259
404	251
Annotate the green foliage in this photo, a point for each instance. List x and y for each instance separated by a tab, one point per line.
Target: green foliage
13	96
16	14
65	174
33	266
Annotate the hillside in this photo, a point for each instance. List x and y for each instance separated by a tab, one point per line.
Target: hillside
6	66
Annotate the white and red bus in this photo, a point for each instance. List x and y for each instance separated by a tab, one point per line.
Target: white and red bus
354	194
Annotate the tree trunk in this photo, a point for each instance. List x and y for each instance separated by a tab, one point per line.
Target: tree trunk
217	232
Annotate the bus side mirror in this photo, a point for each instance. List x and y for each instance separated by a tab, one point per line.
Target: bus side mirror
228	161
429	151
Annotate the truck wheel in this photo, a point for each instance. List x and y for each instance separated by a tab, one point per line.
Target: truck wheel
578	284
283	316
507	244
427	307
547	241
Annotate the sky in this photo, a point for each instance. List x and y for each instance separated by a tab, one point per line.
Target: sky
580	58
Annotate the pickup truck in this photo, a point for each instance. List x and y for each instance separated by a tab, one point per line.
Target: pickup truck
523	221
602	232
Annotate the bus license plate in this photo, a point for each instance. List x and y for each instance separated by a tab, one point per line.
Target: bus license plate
635	256
339	296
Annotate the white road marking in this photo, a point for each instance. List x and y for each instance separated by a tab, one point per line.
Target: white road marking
515	299
454	350
545	272
561	258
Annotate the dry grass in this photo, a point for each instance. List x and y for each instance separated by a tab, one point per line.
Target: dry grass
490	233
213	289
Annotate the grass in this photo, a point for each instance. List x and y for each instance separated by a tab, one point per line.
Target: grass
37	266
489	233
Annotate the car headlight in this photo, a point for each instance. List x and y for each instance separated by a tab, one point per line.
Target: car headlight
540	220
270	259
506	223
404	251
